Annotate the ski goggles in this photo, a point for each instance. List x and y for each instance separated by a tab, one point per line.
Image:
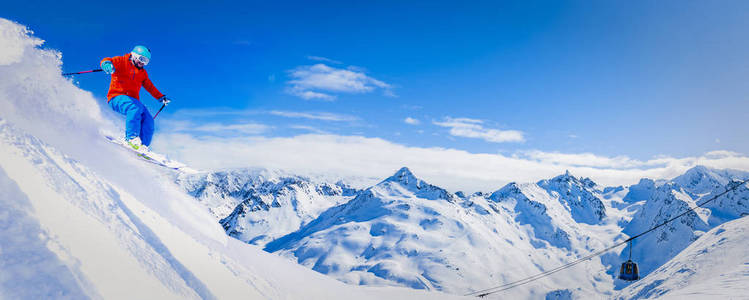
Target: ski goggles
140	58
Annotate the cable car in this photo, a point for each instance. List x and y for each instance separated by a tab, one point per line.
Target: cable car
629	271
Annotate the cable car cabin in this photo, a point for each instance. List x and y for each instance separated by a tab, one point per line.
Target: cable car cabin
629	271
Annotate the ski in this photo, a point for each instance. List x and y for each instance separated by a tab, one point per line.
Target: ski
146	157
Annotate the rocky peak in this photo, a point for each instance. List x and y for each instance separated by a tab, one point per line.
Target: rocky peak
569	179
403	176
506	191
420	188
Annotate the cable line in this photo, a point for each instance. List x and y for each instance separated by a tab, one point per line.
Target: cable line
507	286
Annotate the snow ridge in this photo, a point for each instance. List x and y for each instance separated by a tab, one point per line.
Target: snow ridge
421	189
533	213
579	196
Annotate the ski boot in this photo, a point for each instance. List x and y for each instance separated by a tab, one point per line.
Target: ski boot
137	145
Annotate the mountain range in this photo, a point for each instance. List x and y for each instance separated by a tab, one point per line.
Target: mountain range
404	231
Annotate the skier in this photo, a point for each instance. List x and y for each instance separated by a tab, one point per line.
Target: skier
128	76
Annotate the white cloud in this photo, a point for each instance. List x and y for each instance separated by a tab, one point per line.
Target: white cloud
584	160
319	81
216	112
309	128
357	156
189	124
324	116
309	95
412	121
325	59
244	128
472	128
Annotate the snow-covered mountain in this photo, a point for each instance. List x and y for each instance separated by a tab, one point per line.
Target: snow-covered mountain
578	195
82	218
222	191
263	205
702	180
404	231
715	266
388	233
530	206
674	197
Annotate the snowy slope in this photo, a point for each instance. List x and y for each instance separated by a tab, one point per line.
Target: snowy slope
530	205
83	218
715	266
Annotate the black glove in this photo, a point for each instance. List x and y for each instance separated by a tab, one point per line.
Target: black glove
164	100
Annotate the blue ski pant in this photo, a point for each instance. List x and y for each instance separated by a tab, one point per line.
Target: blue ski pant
138	121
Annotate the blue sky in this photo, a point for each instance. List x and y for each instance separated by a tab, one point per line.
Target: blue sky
629	79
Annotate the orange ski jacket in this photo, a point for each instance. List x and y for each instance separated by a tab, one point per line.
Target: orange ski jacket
127	79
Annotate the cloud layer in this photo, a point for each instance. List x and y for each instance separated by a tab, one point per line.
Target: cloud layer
375	158
320	81
240	128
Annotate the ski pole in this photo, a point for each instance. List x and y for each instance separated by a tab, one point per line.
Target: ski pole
76	73
157	113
